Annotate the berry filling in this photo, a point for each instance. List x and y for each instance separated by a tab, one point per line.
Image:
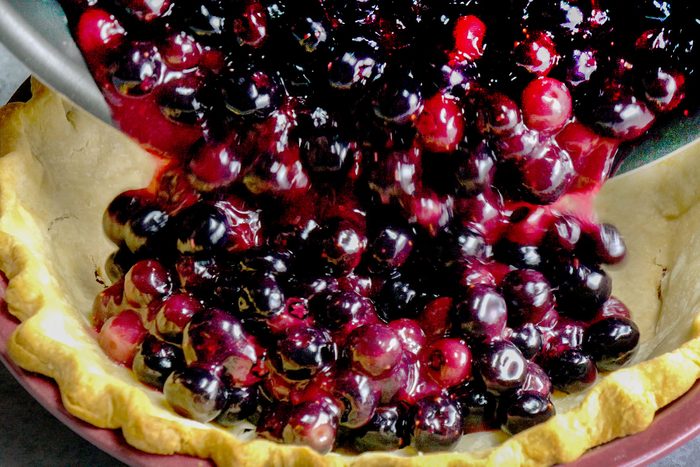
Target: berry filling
373	224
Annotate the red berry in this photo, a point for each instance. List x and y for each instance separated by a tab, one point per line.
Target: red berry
121	335
441	124
546	105
447	361
469	34
99	32
537	54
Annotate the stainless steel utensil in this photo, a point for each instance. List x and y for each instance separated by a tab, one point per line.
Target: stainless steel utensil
36	32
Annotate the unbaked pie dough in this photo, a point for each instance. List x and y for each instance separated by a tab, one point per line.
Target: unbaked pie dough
59	168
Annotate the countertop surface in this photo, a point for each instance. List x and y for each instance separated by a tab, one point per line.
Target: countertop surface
30	436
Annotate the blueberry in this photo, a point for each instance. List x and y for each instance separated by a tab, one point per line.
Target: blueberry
138	71
195	393
387	430
611	342
526	410
437	424
155	360
241	403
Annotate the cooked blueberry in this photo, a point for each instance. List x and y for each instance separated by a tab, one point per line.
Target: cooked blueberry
611	342
359	396
355	64
250	92
528	339
374	349
502	366
399	298
303	352
481	315
478	407
526	410
582	289
311	424
260	295
437	424
241	403
571	370
138	71
528	295
155	360
195	393
389	249
399	98
387	430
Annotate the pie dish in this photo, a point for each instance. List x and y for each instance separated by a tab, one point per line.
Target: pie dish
57	168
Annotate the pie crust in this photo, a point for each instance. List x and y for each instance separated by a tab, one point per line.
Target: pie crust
60	167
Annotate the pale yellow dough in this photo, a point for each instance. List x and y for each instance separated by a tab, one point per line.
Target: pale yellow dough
59	168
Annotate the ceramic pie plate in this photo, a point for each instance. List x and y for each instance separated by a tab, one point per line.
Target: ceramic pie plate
59	168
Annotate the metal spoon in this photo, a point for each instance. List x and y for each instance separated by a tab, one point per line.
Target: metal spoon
36	32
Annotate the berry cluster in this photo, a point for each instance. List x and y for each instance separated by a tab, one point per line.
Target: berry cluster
363	232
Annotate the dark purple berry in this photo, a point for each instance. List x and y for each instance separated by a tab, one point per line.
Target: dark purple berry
303	352
387	430
155	360
526	410
195	393
481	315
241	403
528	296
571	370
502	366
611	342
437	424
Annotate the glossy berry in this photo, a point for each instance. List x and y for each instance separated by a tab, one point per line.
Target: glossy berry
311	424
252	93
138	71
528	339
215	166
146	281
478	407
468	35
99	32
387	430
359	396
437	424
155	360
241	403
215	337
303	352
374	349
603	244
448	361
342	245
616	112
441	124
195	393
410	333
536	380
389	249
176	311
481	315
526	410
611	342
498	115
546	105
260	296
537	54
571	370
528	296
355	64
145	10
344	311
399	99
582	289
121	335
502	366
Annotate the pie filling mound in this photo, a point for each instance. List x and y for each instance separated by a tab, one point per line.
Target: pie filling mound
372	224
